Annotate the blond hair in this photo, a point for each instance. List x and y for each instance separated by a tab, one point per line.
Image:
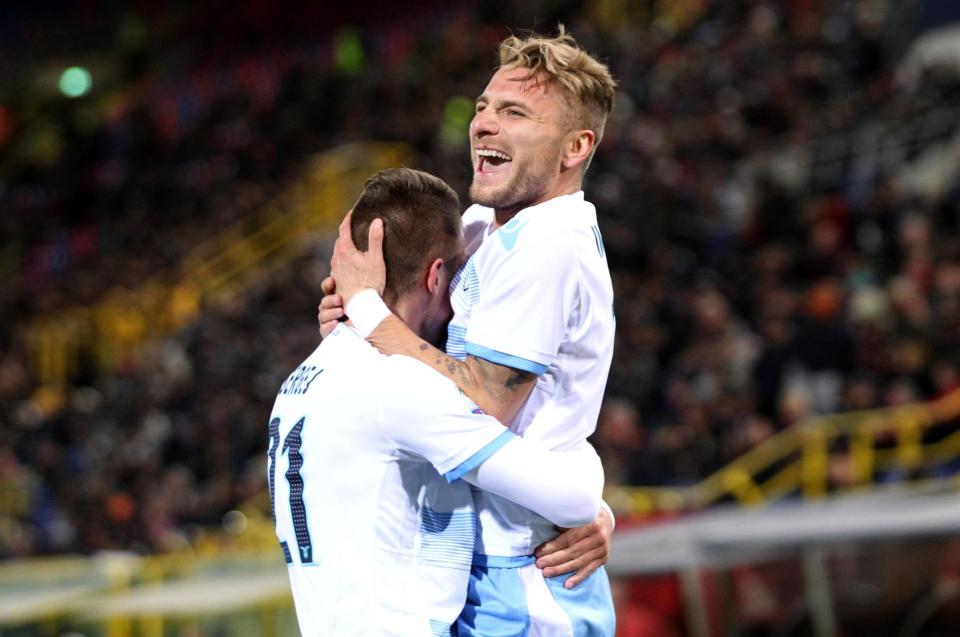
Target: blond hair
587	82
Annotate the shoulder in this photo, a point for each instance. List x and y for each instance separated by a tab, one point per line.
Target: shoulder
477	213
408	383
409	370
347	347
476	223
562	218
561	221
411	394
531	241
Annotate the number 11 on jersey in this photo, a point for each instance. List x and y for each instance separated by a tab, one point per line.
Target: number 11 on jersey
298	511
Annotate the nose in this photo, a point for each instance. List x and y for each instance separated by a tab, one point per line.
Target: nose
484	123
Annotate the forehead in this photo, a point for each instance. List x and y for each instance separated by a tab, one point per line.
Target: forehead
516	85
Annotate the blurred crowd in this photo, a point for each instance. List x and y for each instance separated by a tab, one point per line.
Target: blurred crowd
745	304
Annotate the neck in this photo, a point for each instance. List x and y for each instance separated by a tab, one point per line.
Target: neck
503	215
407	310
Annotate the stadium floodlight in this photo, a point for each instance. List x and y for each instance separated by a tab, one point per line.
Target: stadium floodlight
75	82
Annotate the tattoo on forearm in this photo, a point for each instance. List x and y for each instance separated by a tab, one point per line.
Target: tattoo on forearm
500	382
454	368
493	376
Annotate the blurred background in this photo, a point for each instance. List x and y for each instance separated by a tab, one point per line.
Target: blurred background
779	192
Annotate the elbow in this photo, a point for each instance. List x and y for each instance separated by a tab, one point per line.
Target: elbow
580	507
584	497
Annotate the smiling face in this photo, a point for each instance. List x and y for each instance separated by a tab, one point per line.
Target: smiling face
517	141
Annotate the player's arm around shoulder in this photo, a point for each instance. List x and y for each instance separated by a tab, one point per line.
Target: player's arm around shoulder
498	390
426	414
517	323
422	413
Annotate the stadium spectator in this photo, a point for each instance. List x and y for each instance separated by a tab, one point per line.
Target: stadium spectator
749	295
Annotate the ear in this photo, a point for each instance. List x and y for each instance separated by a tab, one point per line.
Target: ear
434	280
577	149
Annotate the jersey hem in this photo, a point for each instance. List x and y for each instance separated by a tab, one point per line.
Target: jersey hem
502	561
507	360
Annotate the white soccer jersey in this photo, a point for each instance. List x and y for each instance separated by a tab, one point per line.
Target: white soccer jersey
536	295
376	541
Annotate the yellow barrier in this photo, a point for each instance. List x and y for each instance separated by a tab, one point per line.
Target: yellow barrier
112	330
799	460
122	595
238	583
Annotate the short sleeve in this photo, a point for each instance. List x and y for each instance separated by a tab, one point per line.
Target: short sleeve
527	294
423	413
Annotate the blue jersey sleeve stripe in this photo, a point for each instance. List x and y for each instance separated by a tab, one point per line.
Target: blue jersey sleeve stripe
477	459
507	360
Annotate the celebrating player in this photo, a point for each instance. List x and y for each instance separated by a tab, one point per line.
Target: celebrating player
377	542
532	336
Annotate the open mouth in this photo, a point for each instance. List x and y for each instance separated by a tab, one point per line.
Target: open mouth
488	160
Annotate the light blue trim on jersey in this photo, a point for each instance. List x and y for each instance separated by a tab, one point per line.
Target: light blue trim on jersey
496	605
439	629
478	458
456	341
447	538
507	360
599	239
508	233
499	561
589	604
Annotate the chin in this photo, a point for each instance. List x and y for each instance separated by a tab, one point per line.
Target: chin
490	197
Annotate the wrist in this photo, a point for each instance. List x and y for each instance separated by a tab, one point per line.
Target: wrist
366	311
613	520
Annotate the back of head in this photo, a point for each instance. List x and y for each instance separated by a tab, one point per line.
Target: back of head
421	222
586	82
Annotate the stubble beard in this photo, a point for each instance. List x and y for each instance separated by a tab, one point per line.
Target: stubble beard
517	193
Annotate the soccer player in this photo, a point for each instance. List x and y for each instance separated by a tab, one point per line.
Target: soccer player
376	541
532	336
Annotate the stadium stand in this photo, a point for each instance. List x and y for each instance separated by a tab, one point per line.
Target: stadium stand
779	191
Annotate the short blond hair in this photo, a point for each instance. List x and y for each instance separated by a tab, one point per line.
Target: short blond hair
586	80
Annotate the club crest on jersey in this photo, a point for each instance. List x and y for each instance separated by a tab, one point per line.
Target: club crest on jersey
508	233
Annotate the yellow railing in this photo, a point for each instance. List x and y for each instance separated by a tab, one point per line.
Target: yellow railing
229	580
860	446
112	330
209	583
237	583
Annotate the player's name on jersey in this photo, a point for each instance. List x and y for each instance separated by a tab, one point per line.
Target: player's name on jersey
299	381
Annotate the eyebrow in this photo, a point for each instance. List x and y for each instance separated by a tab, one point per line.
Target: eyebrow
514	104
483	99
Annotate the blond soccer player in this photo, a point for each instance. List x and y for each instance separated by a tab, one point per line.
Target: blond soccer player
532	335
